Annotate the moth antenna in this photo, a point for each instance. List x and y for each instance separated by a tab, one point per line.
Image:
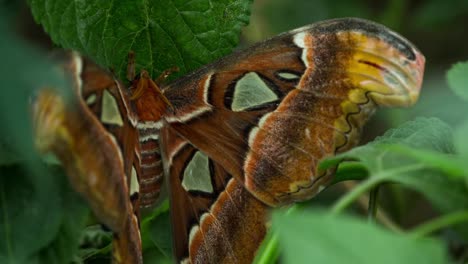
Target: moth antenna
142	84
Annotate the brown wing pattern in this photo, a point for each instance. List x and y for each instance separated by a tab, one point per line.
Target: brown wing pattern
224	225
236	136
320	84
95	138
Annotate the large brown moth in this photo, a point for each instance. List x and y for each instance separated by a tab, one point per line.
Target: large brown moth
233	138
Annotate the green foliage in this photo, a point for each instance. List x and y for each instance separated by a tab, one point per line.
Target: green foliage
419	155
40	217
26	209
386	164
162	33
74	214
457	78
320	237
26	71
156	232
437	12
461	140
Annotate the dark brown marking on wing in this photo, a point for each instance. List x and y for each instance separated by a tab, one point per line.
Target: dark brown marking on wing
375	65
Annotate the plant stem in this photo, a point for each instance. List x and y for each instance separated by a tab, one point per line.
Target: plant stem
346	200
381	216
270	252
373	204
439	223
350	170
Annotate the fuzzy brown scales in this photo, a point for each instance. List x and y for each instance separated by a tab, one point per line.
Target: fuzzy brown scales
238	221
319	85
339	87
303	124
347	68
225	226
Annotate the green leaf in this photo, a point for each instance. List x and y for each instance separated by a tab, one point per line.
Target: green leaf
95	242
75	214
461	141
439	223
33	226
27	70
457	78
449	164
155	256
319	237
384	163
423	133
30	213
163	33
351	170
156	231
161	235
41	218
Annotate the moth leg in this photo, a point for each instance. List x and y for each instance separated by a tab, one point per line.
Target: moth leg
145	84
91	159
163	76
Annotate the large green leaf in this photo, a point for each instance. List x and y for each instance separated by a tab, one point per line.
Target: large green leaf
163	33
457	78
30	213
461	141
319	237
155	256
75	214
387	163
40	217
23	72
156	232
423	133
